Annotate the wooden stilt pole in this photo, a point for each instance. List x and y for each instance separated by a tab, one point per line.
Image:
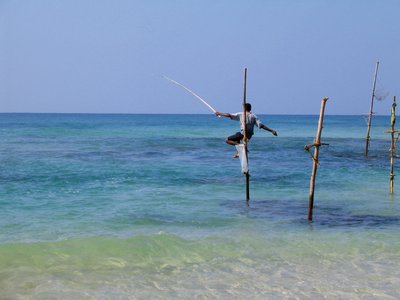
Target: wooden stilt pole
316	145
247	174
368	137
393	145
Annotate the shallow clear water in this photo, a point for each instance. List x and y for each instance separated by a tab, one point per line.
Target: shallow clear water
153	207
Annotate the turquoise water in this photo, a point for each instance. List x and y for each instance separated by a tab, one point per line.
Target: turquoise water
153	207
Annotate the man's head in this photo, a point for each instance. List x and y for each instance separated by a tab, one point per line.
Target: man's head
248	107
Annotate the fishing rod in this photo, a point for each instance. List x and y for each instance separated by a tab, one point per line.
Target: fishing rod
191	92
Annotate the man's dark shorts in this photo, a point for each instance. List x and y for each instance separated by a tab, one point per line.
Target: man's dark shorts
237	137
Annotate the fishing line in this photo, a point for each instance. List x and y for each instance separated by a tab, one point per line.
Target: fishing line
191	92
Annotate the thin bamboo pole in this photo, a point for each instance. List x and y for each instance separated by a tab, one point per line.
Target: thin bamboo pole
247	174
368	137
316	145
393	145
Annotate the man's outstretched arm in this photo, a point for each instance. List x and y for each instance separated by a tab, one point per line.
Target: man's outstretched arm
262	126
217	113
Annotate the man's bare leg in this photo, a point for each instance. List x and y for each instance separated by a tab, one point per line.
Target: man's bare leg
233	143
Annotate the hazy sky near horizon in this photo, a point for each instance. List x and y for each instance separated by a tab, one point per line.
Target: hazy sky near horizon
99	56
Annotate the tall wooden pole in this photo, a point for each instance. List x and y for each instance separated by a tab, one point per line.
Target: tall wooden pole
247	174
316	145
368	137
393	145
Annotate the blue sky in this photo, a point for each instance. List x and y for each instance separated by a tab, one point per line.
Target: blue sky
100	56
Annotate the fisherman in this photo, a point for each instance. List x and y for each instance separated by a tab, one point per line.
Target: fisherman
251	121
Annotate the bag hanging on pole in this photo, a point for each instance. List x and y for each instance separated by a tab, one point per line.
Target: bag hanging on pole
243	158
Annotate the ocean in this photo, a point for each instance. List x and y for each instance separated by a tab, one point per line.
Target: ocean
114	206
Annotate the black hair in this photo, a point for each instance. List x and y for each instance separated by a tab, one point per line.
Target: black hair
248	106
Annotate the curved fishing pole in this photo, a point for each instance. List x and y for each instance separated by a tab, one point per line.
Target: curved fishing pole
191	92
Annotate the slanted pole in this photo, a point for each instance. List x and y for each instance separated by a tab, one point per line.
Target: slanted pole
316	145
393	145
247	174
368	137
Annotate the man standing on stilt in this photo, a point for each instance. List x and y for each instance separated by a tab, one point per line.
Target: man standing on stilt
251	121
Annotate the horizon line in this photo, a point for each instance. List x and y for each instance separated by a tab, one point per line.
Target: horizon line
203	114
